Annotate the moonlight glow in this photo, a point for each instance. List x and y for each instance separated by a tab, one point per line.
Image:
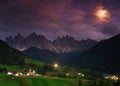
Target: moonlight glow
102	14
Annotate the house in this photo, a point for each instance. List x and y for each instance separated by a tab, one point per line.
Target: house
9	73
112	77
29	73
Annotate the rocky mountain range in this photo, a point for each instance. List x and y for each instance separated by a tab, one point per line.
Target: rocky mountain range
60	44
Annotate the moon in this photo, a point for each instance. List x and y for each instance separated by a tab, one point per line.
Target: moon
102	14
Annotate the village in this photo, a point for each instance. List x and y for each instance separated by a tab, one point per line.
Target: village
81	77
30	72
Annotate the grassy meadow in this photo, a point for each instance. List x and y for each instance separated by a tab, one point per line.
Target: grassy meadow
35	81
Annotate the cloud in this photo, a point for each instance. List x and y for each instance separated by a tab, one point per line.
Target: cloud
110	29
56	18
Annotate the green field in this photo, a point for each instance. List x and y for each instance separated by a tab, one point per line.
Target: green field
35	81
12	67
21	68
36	62
48	81
6	80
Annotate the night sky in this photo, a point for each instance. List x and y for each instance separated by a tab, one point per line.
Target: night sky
82	19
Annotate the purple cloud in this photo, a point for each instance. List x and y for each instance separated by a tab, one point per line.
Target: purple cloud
58	17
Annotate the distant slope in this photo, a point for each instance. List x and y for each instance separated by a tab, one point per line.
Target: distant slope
105	56
48	56
43	55
36	81
10	56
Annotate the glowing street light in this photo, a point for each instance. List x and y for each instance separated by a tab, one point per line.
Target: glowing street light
55	65
79	74
67	74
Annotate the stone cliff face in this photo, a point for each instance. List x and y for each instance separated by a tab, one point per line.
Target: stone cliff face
60	45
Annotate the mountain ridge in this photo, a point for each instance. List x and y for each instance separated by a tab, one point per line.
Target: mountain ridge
102	57
43	55
59	45
48	56
12	57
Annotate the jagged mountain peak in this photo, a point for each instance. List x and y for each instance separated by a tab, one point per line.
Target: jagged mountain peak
67	37
61	44
32	35
19	34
